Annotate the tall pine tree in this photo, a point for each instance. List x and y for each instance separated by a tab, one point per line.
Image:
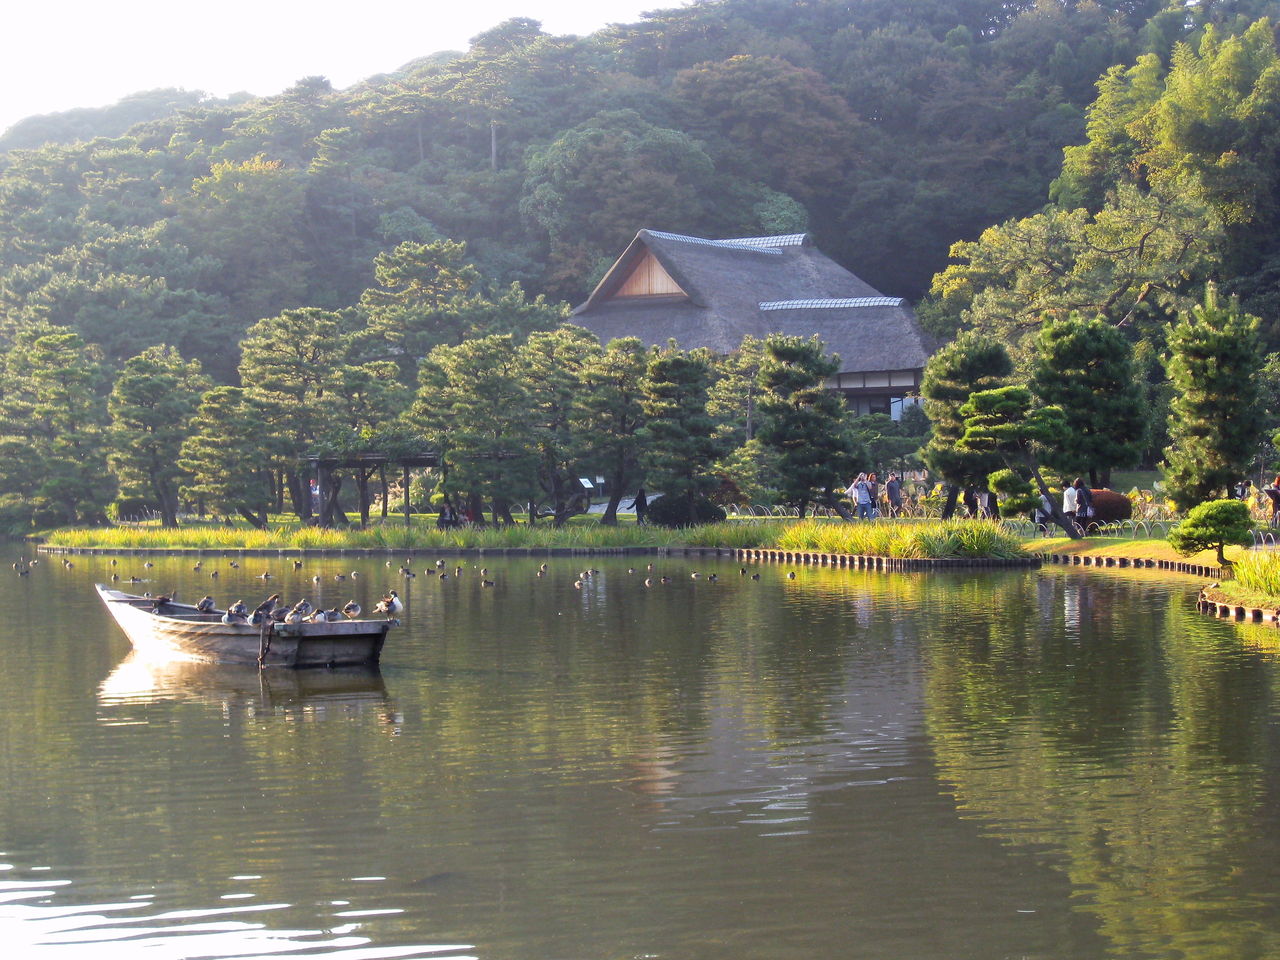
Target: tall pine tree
1216	415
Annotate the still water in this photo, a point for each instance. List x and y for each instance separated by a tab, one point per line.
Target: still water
1044	764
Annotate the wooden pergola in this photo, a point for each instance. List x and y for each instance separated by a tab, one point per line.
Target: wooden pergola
365	464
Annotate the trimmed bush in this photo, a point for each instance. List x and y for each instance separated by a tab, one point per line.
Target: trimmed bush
674	512
1110	507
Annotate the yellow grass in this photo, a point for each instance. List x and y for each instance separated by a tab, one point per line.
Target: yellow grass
1137	548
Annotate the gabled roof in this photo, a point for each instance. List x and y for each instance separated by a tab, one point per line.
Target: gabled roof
755	286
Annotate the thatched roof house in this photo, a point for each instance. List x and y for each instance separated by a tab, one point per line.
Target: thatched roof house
712	293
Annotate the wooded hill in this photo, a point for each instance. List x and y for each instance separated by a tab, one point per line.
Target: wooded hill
890	130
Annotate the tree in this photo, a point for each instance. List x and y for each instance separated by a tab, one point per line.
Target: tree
151	404
1212	526
804	423
1006	422
1131	262
52	418
1086	369
969	364
678	436
431	294
555	363
220	456
472	404
292	367
611	415
1215	417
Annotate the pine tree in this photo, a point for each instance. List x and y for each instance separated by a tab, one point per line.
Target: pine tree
968	364
1086	369
804	422
679	441
1215	417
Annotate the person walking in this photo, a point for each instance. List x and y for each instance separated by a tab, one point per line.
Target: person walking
641	504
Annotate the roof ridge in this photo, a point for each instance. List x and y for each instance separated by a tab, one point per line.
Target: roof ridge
752	244
831	303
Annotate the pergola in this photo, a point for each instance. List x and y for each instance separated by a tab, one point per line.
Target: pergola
365	464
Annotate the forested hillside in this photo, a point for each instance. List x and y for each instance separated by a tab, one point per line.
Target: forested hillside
195	306
889	129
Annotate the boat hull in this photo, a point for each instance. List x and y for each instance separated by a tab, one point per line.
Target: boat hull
183	633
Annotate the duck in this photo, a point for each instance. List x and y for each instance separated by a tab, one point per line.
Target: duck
791	574
332	615
755	576
234	565
147	564
444	577
351	609
115	576
264	575
439	564
316	578
631	569
339	576
712	578
297	564
695	575
388	605
486	583
577	584
265	608
648	582
742	571
664	579
236	613
542	568
114	561
300	613
213	575
205	604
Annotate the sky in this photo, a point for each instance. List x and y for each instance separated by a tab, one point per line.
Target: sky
62	54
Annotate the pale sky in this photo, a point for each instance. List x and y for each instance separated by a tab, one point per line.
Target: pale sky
59	54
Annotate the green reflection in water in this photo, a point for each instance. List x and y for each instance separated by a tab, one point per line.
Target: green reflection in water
1134	740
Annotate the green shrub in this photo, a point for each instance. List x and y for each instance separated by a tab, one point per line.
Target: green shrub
674	512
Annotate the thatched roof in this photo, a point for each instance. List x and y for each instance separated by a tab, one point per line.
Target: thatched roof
728	289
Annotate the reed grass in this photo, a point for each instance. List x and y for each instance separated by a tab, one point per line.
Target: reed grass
1258	571
888	538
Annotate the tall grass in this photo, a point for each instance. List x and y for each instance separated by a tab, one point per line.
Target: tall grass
1258	572
937	541
888	538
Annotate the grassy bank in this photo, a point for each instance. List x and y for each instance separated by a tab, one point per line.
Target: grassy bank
1135	547
907	539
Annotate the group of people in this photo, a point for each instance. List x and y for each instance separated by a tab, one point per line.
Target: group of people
864	493
1077	504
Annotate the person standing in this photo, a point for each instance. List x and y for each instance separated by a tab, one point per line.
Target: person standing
1084	501
893	490
1070	501
860	494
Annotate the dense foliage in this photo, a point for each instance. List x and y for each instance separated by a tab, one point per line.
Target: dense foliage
384	269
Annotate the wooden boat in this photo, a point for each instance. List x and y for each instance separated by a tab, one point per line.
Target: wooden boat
178	631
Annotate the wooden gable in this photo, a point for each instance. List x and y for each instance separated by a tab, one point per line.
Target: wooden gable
649	279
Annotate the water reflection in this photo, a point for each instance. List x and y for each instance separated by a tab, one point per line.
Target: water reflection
139	680
1046	764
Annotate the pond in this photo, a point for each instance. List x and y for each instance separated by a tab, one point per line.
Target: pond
1031	764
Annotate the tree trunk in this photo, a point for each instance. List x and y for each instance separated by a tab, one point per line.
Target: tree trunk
949	507
330	505
257	520
610	516
502	511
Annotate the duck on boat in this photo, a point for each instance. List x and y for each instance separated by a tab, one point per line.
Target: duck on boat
275	634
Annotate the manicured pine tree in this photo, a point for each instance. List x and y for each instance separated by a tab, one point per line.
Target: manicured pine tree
804	423
226	425
1216	414
1086	369
968	364
679	445
1007	423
